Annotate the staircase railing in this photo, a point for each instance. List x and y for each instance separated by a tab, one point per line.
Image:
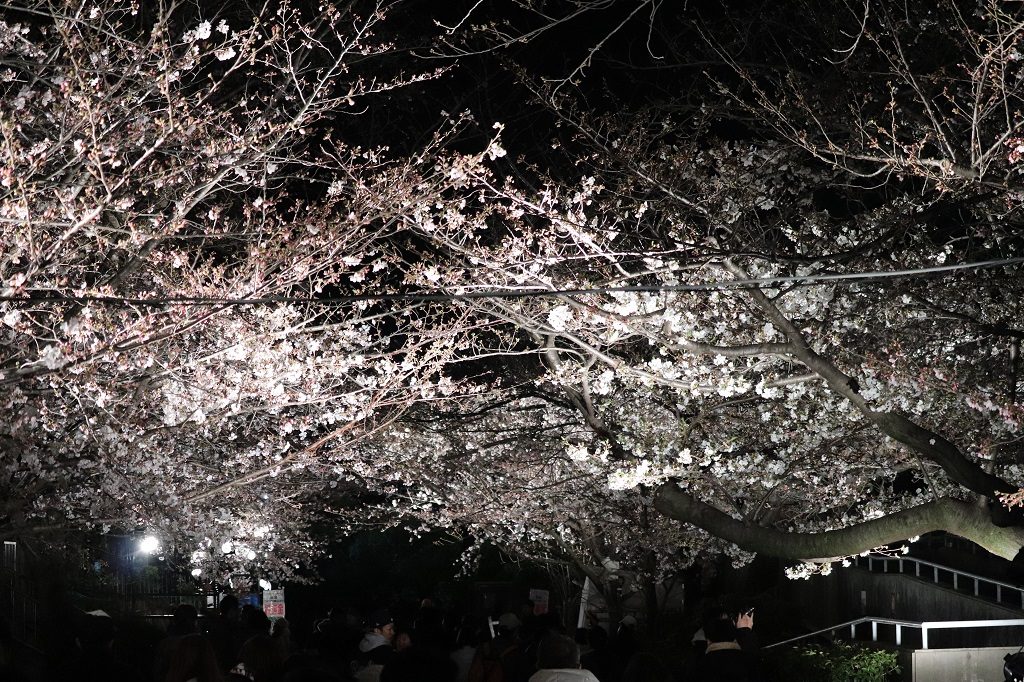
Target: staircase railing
925	627
1001	588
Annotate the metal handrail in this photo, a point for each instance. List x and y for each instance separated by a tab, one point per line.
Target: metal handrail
999	584
852	624
924	626
953	624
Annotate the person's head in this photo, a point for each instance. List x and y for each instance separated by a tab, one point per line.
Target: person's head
280	628
193	658
255	620
402	641
97	631
720	630
184	620
557	651
508	623
645	667
228	605
382	623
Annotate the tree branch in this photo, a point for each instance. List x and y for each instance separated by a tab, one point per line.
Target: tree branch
924	441
953	516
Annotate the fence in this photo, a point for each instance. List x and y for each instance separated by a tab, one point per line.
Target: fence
899	625
997	589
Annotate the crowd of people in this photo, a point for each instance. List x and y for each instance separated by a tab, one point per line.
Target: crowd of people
240	643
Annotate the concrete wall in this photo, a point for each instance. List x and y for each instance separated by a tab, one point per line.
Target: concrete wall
959	665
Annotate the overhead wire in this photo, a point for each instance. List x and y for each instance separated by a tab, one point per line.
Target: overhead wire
460	292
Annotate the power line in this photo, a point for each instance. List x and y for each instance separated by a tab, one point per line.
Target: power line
50	296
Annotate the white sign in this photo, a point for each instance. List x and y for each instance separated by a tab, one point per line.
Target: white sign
540	601
273	603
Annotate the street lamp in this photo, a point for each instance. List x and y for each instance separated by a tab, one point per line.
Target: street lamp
150	544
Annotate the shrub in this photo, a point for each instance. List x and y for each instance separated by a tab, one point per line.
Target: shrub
838	662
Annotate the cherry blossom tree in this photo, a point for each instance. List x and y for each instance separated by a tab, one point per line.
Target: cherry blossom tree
720	315
740	394
161	165
511	470
656	328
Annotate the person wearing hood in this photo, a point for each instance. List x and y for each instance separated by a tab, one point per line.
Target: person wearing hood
375	649
558	660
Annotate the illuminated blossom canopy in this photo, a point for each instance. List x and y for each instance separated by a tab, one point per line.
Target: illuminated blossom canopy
662	326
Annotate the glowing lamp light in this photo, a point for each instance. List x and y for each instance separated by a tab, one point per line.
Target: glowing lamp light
264	584
250	555
149	544
227	547
196	572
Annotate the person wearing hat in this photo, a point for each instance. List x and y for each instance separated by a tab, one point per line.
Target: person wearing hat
501	659
375	649
508	623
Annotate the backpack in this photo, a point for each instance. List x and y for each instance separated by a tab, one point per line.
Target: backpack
488	667
1013	666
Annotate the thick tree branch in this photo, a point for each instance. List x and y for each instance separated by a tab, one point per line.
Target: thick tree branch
953	516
